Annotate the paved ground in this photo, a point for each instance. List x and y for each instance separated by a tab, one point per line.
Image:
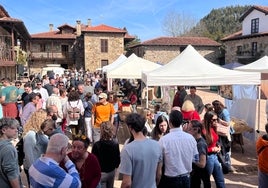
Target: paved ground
245	175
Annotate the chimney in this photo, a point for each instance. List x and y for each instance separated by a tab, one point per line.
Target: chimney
89	22
78	27
51	27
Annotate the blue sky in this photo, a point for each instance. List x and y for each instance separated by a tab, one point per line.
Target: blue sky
143	18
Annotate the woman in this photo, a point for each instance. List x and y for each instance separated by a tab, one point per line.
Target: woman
10	174
213	165
87	114
64	100
189	113
112	98
86	163
132	97
149	120
108	153
72	111
225	140
34	141
161	127
199	171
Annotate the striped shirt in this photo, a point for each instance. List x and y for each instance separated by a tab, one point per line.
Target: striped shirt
46	172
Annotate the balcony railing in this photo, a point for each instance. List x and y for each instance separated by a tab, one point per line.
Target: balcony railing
51	55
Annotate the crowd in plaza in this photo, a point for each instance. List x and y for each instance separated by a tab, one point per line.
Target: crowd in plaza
59	116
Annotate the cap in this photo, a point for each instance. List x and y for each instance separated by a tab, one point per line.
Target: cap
103	95
51	77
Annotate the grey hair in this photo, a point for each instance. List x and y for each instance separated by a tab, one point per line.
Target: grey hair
56	143
8	122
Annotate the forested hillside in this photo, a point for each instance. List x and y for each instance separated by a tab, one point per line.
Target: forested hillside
219	22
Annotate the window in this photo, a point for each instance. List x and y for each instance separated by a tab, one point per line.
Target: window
104	45
255	25
182	48
104	62
239	50
254	48
42	47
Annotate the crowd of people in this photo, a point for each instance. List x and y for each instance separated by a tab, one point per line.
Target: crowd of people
61	116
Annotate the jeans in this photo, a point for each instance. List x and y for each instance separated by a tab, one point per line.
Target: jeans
263	179
88	128
175	182
214	167
107	179
96	134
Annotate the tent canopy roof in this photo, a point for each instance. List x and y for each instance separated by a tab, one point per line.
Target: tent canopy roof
116	63
191	68
261	65
132	68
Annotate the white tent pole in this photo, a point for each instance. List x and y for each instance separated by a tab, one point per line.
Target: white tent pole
259	107
147	94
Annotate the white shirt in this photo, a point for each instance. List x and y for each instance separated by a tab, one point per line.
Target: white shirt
179	151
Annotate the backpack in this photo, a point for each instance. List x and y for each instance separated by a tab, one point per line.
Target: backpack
74	112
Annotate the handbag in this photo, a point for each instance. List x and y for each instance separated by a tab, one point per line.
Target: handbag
224	166
223	130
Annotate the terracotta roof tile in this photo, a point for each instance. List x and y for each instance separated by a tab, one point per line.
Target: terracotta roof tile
238	35
174	41
53	35
10	19
66	25
103	28
263	9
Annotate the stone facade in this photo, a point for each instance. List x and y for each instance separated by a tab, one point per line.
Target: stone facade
244	56
164	54
92	49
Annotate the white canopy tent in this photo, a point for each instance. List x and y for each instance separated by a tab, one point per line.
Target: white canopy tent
261	65
116	63
191	68
132	68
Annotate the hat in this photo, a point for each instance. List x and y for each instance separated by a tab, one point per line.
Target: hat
103	95
51	77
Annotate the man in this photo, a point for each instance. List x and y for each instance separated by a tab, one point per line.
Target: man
9	96
9	169
179	96
262	152
42	91
102	111
46	172
88	86
29	109
54	99
49	87
196	100
81	91
141	159
95	96
179	151
25	96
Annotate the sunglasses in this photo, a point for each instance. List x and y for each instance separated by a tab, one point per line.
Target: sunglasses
214	120
18	85
39	84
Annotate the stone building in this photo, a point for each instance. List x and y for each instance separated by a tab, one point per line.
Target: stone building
97	46
14	39
251	43
164	49
52	47
82	46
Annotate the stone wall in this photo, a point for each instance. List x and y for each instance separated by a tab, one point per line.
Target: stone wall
165	54
92	49
231	49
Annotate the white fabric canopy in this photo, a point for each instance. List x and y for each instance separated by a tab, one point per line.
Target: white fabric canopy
116	63
191	68
132	68
261	65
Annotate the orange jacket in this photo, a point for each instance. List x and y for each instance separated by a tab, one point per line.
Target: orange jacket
262	152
